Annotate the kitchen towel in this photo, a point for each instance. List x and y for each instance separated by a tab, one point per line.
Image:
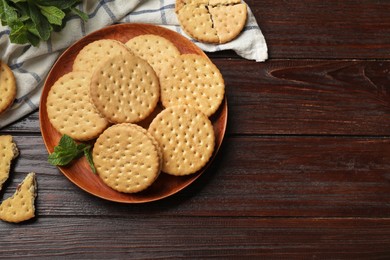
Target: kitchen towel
31	65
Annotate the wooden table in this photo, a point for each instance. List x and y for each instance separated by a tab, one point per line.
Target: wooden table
304	171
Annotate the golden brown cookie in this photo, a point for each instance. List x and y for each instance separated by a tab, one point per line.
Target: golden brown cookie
8	152
70	110
126	158
197	22
228	20
125	89
214	21
7	87
20	206
192	80
156	50
97	51
187	139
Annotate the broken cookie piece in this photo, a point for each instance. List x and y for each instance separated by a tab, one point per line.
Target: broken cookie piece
20	206
8	152
212	21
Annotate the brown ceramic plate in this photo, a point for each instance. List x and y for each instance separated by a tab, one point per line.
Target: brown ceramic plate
79	172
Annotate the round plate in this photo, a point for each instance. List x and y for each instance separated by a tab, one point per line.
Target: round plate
79	171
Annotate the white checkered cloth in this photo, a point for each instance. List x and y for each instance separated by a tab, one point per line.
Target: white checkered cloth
31	64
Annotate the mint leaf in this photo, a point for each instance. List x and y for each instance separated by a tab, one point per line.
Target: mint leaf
82	15
53	14
38	17
61	4
88	155
67	150
41	24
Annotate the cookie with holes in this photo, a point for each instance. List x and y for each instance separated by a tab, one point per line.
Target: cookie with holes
95	52
7	87
186	137
192	80
125	89
21	205
156	50
127	158
70	110
212	21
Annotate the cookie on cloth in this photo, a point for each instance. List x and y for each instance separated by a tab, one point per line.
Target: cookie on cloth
95	52
125	89
197	22
21	205
126	158
228	20
70	110
214	21
186	137
156	50
192	80
7	87
8	152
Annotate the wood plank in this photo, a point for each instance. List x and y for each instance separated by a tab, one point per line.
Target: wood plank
298	97
325	29
201	238
308	97
252	176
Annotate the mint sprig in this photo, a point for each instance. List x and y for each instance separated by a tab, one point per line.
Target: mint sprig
31	21
68	150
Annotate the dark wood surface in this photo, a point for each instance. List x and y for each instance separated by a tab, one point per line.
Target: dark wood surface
303	173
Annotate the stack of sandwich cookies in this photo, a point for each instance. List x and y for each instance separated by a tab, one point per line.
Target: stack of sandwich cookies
97	51
69	108
156	50
192	80
7	87
187	139
125	88
126	158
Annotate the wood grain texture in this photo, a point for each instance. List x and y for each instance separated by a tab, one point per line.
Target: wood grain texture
327	30
299	97
197	238
308	97
252	176
303	173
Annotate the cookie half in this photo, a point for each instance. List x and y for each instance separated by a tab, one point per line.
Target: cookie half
125	89
20	206
186	137
7	87
70	109
8	152
126	158
214	21
192	80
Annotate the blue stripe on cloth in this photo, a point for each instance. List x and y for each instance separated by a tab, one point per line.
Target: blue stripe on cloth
23	98
171	6
31	104
5	32
163	17
18	66
108	11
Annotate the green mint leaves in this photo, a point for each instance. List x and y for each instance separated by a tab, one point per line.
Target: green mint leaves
31	21
67	150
